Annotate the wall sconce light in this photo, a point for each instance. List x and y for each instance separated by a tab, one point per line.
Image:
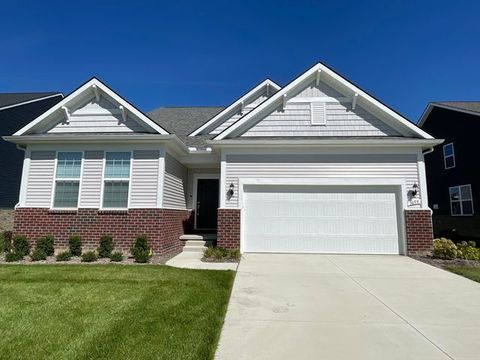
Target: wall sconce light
230	190
414	190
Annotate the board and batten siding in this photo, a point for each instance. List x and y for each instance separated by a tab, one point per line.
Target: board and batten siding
40	179
341	119
91	189
94	117
144	186
396	166
175	184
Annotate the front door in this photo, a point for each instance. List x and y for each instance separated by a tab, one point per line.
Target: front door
207	204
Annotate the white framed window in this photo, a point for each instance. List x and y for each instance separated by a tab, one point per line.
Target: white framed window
116	180
318	113
461	201
449	156
67	179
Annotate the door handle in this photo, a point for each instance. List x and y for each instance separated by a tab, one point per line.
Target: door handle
198	208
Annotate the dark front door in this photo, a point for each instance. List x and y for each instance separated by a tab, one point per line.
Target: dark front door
207	203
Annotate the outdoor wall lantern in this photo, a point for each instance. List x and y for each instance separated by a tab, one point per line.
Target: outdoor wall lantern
230	191
414	190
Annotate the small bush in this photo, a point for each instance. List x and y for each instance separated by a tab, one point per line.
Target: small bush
140	245
38	254
6	241
13	256
89	256
467	251
105	247
219	253
46	244
64	256
235	254
444	249
116	256
20	245
142	256
75	245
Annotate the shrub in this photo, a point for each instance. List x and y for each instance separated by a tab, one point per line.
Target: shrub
467	251
46	244
89	256
444	249
105	247
6	241
142	256
235	254
13	256
219	253
75	245
64	256
140	244
38	254
116	256
20	245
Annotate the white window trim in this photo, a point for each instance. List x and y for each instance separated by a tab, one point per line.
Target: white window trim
445	156
460	200
312	120
102	208
80	179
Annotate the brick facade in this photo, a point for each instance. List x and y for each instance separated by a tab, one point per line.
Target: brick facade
228	228
419	231
162	226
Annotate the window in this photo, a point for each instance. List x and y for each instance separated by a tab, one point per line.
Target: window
448	156
318	114
67	179
116	180
461	202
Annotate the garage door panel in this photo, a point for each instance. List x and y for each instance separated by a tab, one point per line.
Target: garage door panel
292	220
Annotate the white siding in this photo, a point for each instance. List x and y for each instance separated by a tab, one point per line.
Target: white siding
91	189
295	118
143	189
175	184
318	166
94	117
40	179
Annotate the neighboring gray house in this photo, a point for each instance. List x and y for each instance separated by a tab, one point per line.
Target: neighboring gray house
318	166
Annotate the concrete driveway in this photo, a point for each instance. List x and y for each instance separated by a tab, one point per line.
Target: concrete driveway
349	307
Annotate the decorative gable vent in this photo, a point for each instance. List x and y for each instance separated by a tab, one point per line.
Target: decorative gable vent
318	114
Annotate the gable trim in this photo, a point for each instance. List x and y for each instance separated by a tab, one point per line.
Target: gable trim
315	72
30	101
217	119
92	83
430	107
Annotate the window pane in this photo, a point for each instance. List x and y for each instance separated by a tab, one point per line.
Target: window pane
69	164
456	210
449	162
117	165
448	150
455	193
66	194
466	192
467	207
115	194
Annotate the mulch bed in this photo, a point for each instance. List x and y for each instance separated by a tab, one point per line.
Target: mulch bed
443	264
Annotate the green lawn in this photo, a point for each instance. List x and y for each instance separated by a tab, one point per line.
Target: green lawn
110	312
470	272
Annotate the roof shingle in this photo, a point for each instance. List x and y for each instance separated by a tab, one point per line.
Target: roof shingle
8	99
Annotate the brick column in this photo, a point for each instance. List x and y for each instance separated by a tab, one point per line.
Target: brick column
419	231
228	228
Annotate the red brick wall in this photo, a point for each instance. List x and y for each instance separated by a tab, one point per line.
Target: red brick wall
419	231
162	226
228	228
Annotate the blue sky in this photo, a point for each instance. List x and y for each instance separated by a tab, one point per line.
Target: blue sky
178	53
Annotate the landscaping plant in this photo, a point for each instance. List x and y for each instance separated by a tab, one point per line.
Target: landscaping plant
468	251
13	256
116	256
219	253
140	250
89	256
20	245
75	245
64	256
6	241
105	247
46	244
38	254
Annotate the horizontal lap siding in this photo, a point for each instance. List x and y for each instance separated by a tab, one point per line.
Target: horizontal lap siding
144	187
175	184
91	179
40	179
318	166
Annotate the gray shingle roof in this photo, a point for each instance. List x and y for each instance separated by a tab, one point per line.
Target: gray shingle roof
181	121
461	105
7	99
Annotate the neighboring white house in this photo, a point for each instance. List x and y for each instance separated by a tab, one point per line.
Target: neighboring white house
316	166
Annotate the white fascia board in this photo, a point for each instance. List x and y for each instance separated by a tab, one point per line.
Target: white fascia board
82	89
217	118
31	101
430	107
311	73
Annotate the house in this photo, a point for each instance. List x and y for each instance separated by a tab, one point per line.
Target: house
316	166
453	173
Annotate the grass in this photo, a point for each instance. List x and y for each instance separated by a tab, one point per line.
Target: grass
470	272
111	312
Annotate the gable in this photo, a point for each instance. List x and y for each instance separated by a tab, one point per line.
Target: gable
346	109
319	110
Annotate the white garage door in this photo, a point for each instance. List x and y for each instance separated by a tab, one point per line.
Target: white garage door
333	219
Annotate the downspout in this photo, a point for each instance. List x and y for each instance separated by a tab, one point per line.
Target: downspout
428	151
22	148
